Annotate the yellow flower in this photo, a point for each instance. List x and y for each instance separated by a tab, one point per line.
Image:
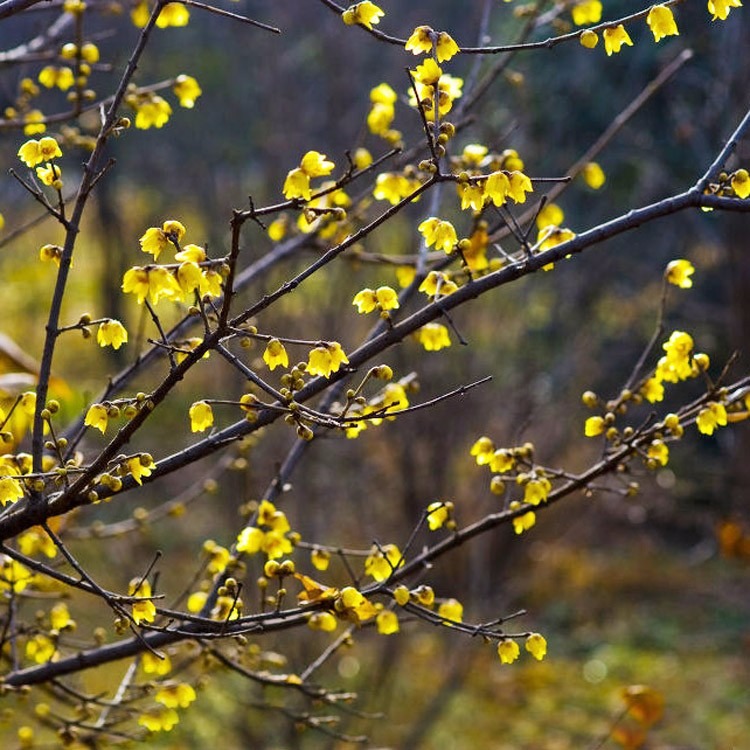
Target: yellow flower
428	72
34	122
152	664
713	416
324	621
741	183
50	76
497	187
154	241
275	355
50	175
437	284
472	196
588	11
589	39
250	540
60	618
438	513
315	164
536	491
536	645
297	185
381	562
501	461
144	610
446	47
140	466
325	360
393	187
594	426
97	417
720	8
420	40
451	609
551	214
154	111
173	14
433	337
136	281
364	13
523	522
320	559
402	595
405	275
41	649
508	651
210	283
159	719
383	298
179	695
13	575
593	175
387	622
678	272
10	490
661	21
140	14
424	595
614	38
187	90
201	416
34	152
483	450
439	233
111	333
659	451
519	185
189	277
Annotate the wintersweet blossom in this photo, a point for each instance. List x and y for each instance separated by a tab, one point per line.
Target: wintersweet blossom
678	272
660	20
364	13
614	38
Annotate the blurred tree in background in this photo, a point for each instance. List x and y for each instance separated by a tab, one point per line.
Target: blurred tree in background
258	263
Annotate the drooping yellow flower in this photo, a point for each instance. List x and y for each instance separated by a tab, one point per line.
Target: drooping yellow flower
614	38
297	185
501	461
364	13
438	514
740	183
140	466
111	333
383	298
40	648
678	272
536	645
140	14
144	610
589	39
382	112
483	450
136	281
173	14
446	47
551	214
187	90
275	355
439	233
658	450
472	196
190	277
60	618
155	240
424	595
519	185
325	360
433	337
497	187
405	275
420	40
451	609
161	719
152	664
50	175
536	491
593	175
588	11
661	21
508	651
712	416
97	417
720	8
201	416
428	72
393	187
250	540
320	559
523	522
323	621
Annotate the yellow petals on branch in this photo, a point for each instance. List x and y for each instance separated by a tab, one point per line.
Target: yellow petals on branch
151	112
421	41
394	187
536	490
536	645
10	490
382	562
387	622
658	451
551	214
593	175
143	610
508	651
383	298
365	14
594	426
323	621
589	39
201	416
111	333
740	183
97	417
614	38
50	175
326	359
51	77
160	719
438	514
522	522
187	90
297	183
720	8
155	240
678	272
275	355
712	416
320	559
441	234
433	337
178	695
451	609
660	20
